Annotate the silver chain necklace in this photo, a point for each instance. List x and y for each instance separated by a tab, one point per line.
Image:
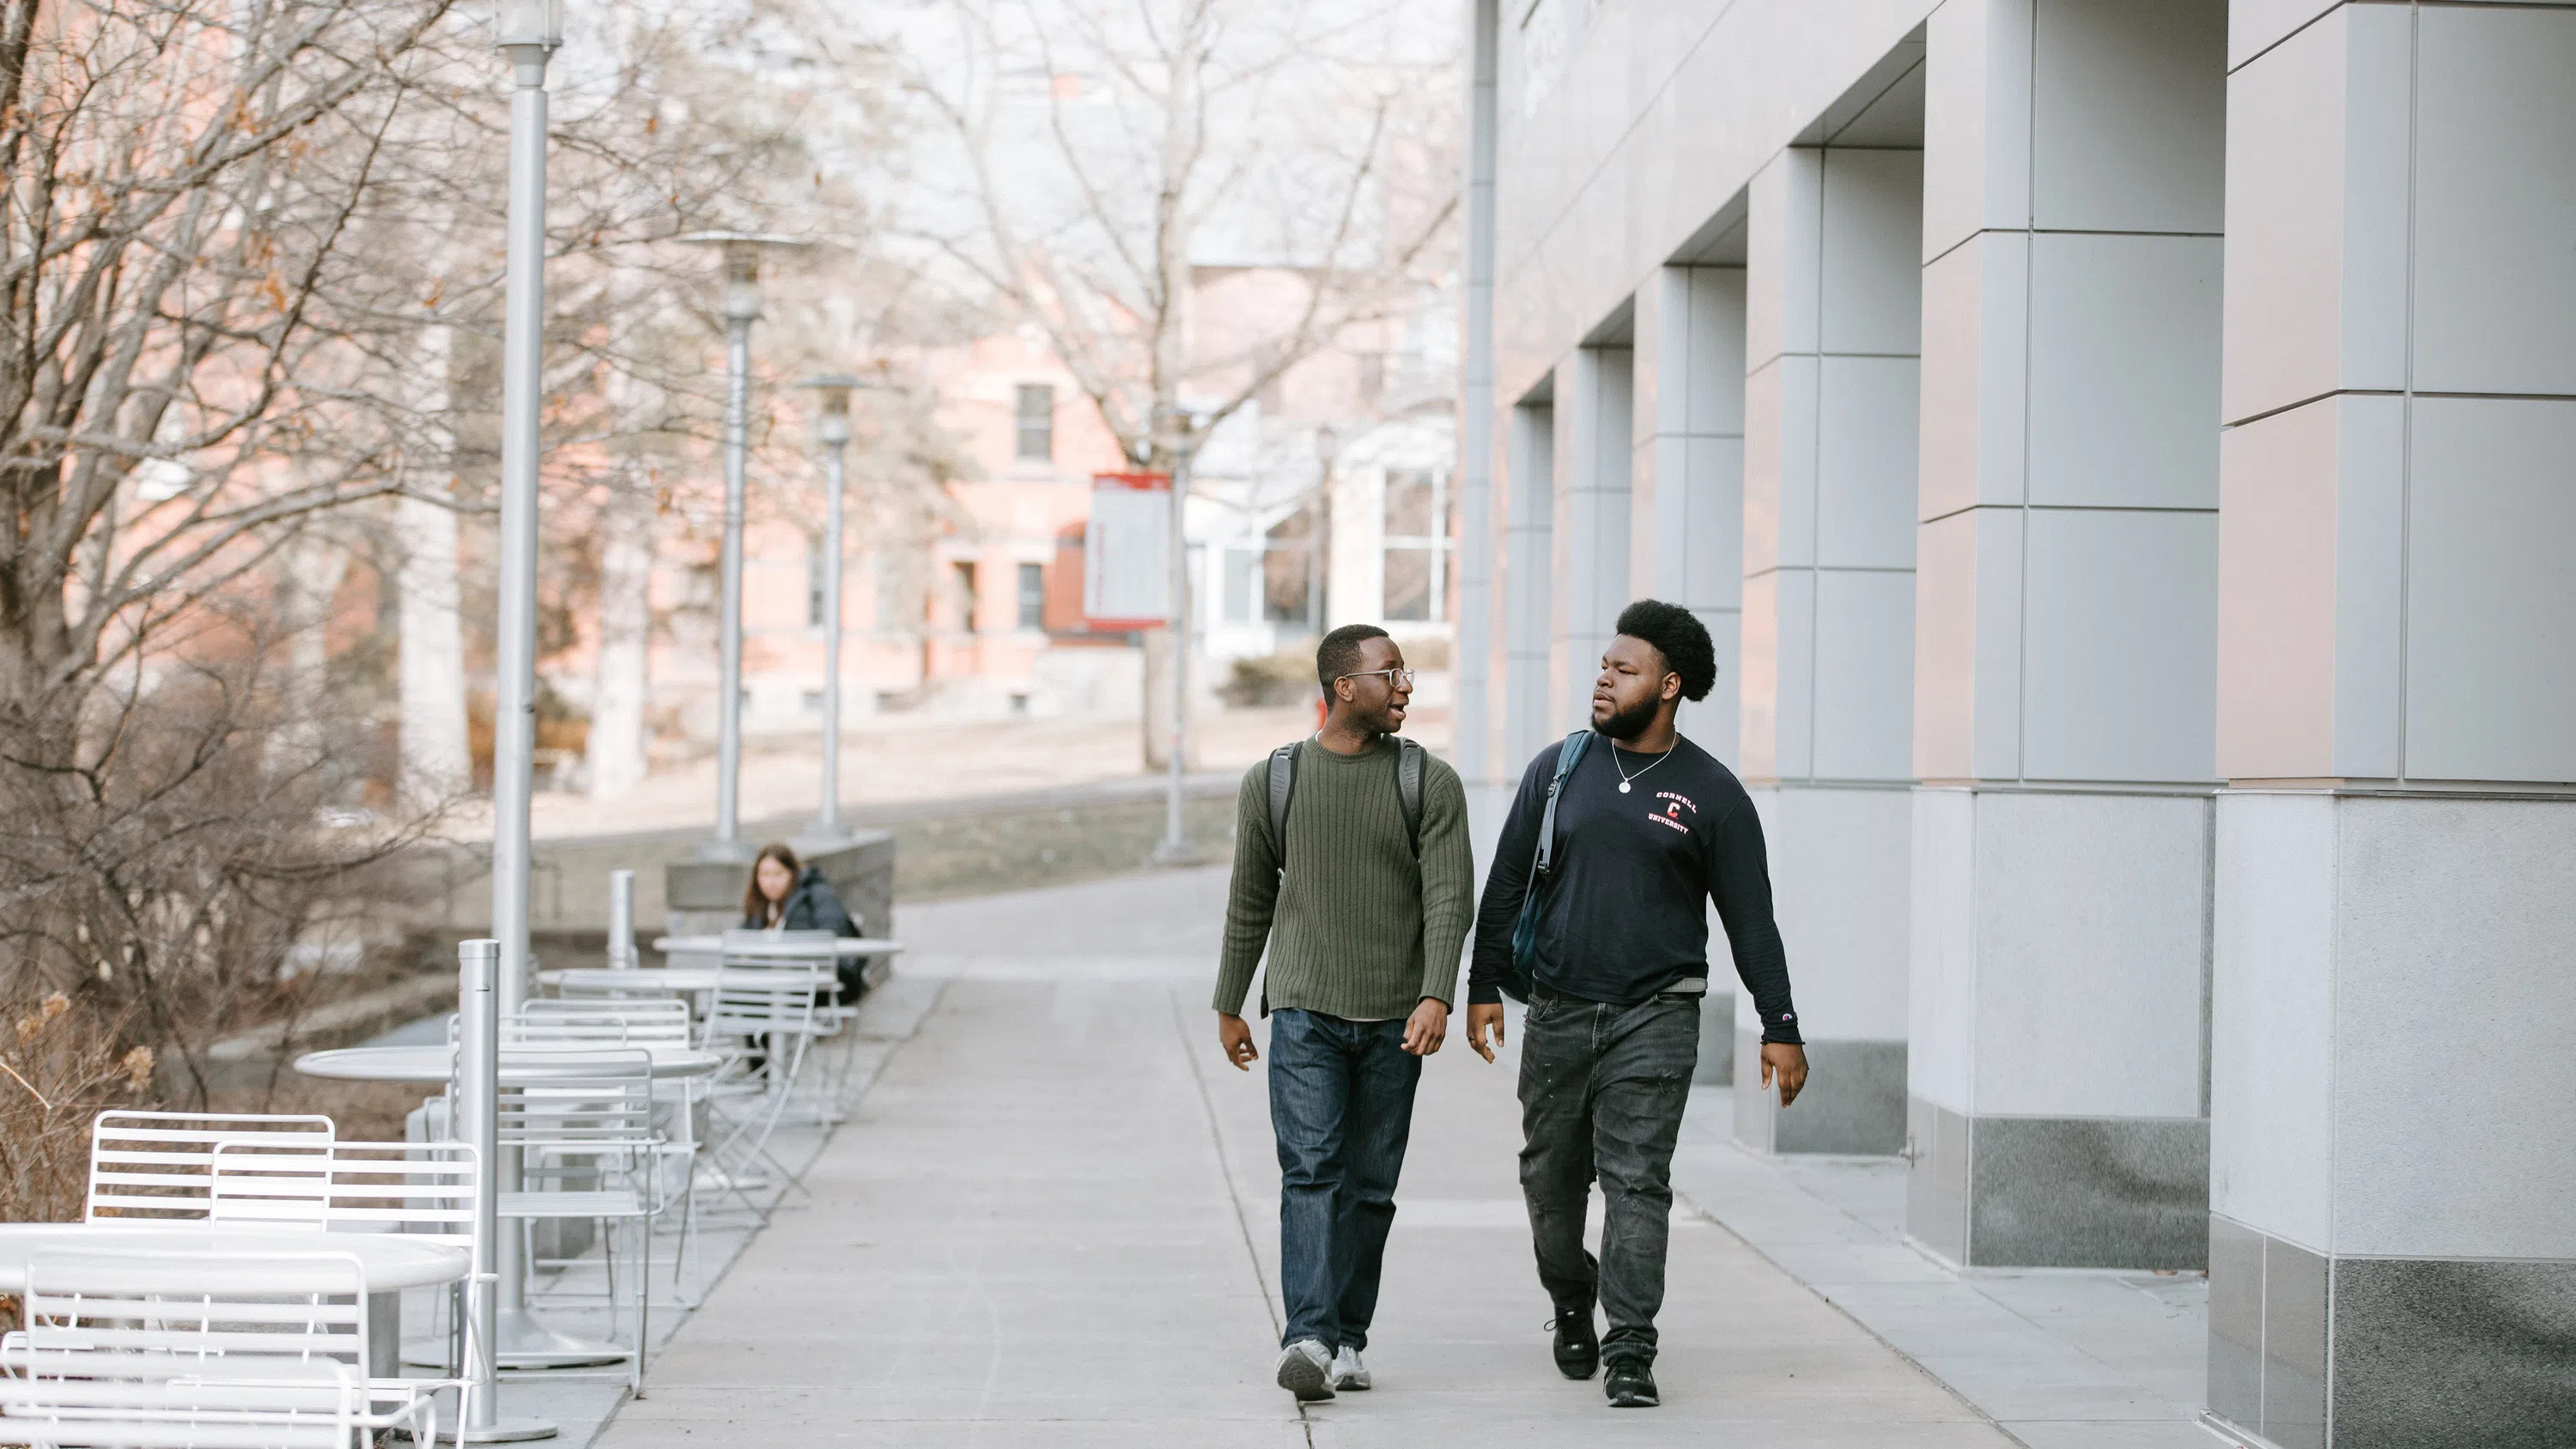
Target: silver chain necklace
1624	776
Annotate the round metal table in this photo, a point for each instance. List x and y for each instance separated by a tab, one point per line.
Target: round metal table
429	1065
392	1261
678	980
745	944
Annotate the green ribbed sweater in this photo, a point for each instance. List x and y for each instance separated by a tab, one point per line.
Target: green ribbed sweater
1357	927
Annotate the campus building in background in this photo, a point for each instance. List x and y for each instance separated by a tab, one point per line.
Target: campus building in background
966	601
2126	451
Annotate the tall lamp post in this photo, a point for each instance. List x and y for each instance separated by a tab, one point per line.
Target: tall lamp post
1181	429
529	32
1319	524
741	252
833	431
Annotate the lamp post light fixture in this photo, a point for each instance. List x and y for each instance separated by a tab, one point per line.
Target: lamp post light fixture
832	429
741	253
528	32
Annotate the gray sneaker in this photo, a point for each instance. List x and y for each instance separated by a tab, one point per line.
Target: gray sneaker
1306	1370
1348	1372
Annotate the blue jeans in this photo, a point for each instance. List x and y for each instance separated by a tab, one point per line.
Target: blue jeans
1341	1105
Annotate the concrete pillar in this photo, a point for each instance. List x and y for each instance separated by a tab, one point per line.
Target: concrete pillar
1833	308
1474	753
1686	483
1528	597
2066	631
1594	413
2392	1237
1686	523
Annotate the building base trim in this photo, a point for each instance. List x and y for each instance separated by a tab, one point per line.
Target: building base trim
1853	1104
2058	1192
2312	1351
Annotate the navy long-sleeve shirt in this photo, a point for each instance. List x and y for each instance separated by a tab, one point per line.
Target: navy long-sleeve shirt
1624	917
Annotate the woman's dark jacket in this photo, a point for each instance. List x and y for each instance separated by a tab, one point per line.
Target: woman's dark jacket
811	906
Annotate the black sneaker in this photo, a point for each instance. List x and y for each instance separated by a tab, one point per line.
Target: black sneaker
1578	1347
1631	1384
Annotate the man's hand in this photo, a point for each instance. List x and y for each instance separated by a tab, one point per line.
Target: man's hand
1427	1028
1789	1060
1482	1015
1235	1035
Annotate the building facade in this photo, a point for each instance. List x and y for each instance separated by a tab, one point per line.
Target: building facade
2122	448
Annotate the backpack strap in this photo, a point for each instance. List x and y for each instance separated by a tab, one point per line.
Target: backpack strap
1283	781
1408	786
1569	754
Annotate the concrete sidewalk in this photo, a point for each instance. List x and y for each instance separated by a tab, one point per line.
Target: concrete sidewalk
1053	1222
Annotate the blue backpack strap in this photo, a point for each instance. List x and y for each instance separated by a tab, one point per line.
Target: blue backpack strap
1522	959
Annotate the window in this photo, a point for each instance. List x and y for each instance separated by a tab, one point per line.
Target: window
1417	545
1032	596
814	582
1035	419
966	601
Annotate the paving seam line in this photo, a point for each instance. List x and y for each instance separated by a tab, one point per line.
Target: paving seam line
1233	1191
1713	1220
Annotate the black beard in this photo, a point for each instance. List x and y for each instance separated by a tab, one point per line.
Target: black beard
1627	724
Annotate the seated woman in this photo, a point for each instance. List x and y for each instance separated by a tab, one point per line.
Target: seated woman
786	895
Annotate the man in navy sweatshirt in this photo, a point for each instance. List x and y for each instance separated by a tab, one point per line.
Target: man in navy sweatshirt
1649	827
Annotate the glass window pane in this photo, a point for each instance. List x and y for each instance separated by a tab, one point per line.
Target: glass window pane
1034	419
1032	596
1408	504
1408	584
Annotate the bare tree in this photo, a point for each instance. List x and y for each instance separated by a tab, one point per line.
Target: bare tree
1105	164
180	178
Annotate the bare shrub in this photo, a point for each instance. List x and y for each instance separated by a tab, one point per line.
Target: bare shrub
171	858
61	1064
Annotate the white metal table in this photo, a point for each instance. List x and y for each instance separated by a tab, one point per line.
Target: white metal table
744	944
429	1065
392	1262
677	980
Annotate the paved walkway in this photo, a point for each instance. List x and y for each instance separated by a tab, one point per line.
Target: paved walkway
1053	1222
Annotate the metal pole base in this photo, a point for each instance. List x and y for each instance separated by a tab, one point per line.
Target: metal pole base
525	1343
1178	853
739	851
507	1431
512	1430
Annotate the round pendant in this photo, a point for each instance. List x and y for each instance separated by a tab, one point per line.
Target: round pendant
1623	787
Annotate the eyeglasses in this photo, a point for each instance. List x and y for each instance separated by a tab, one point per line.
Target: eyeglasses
1395	678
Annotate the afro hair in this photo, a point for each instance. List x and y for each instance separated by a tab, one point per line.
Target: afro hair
1679	636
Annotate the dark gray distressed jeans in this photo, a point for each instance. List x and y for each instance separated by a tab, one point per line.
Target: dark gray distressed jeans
1602	1092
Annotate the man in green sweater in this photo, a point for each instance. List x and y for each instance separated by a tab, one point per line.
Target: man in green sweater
1364	905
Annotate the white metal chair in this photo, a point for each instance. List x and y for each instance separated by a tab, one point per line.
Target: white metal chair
763	1023
586	1117
834	1010
420	1189
662	1023
197	1351
157	1166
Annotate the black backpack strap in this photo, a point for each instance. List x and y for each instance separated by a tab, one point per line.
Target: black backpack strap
1408	786
1283	782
